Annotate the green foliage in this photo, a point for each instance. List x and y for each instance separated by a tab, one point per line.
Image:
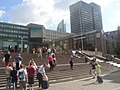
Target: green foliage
117	50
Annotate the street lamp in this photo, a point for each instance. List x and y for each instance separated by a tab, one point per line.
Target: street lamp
81	30
21	44
81	41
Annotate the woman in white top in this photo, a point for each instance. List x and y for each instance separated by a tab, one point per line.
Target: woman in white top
41	72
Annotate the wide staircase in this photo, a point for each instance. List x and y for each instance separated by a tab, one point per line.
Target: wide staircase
61	72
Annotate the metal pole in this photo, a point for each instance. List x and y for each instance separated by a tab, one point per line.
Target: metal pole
22	44
81	41
81	30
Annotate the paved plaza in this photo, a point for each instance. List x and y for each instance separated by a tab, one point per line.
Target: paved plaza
111	82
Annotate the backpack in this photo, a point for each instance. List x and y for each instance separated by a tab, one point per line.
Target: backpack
21	75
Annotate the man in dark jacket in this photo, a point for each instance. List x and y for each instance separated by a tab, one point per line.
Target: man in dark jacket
7	57
71	62
13	74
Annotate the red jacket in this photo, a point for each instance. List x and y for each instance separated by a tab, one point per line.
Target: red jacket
31	71
50	58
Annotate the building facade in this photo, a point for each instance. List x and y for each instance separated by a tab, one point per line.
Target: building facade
49	35
92	41
85	17
111	41
39	34
61	27
13	35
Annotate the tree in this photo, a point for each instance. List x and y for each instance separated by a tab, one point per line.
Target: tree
118	44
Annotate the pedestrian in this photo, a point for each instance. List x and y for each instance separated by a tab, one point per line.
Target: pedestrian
92	69
33	50
54	59
7	72
18	60
49	51
22	76
39	52
31	73
71	62
98	72
16	48
41	72
98	69
50	61
13	75
7	57
33	63
53	50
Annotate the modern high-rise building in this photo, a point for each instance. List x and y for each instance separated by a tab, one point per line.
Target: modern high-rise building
85	17
61	27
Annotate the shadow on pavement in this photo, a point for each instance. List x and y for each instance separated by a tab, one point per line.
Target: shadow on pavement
92	83
88	79
114	77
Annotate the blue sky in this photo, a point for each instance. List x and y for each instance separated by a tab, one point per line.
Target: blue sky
50	12
5	5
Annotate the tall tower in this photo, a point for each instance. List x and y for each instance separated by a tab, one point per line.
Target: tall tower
85	17
61	27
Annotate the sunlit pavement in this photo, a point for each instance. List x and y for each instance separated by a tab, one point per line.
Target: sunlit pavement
111	82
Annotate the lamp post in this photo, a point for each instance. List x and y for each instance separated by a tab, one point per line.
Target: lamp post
81	42
21	44
81	30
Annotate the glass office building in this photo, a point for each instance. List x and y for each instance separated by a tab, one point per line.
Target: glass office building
14	35
61	27
85	17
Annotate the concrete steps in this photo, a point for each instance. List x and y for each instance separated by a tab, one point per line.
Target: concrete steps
61	72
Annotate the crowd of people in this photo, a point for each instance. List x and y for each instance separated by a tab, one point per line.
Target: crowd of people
17	72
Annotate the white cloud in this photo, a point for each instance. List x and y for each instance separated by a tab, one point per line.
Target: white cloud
41	13
110	15
50	12
2	13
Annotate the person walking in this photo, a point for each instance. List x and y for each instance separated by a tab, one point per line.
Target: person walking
98	72
31	73
71	62
98	69
33	63
93	64
50	61
13	75
41	72
22	76
7	72
18	60
40	52
54	59
7	57
49	51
